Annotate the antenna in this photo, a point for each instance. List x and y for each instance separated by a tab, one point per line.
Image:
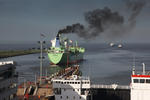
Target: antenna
46	73
35	79
133	69
143	68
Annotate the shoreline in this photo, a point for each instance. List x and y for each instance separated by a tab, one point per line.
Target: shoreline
12	53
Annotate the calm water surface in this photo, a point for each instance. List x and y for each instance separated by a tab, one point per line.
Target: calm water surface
104	64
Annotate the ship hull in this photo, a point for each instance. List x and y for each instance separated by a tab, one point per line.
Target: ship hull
64	58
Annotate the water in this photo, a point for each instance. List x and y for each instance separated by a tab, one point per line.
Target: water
104	64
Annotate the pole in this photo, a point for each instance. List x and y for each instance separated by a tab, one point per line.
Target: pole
24	86
46	73
67	59
67	55
41	60
35	79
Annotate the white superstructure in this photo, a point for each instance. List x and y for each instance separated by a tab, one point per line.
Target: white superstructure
7	62
120	46
8	81
72	88
112	44
140	85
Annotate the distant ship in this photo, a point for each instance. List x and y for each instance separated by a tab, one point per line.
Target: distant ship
64	51
120	46
112	44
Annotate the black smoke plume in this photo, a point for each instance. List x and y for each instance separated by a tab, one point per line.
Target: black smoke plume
98	21
135	6
74	28
101	20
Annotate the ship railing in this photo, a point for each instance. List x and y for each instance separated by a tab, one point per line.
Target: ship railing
85	77
112	86
141	73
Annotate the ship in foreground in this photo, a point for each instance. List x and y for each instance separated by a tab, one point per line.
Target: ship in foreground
64	51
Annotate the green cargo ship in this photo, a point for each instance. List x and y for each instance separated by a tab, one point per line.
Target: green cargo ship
64	51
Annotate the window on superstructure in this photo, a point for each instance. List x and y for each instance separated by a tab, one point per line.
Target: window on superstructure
82	91
80	97
142	80
67	97
147	80
136	80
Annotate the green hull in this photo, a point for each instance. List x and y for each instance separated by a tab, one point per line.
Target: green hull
64	51
64	58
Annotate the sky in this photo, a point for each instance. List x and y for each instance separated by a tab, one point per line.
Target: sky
25	20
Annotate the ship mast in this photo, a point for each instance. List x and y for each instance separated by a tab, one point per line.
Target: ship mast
133	69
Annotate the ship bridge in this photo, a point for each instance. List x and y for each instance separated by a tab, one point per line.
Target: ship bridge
140	84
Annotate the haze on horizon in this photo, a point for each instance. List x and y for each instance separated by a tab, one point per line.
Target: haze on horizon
25	20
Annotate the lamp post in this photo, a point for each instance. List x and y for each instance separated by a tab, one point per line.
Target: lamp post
41	58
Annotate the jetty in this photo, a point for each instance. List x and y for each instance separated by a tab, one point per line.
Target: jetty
44	90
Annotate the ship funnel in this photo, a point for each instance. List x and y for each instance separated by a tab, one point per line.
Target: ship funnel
57	42
143	68
57	36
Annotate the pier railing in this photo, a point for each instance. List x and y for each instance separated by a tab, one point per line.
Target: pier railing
113	86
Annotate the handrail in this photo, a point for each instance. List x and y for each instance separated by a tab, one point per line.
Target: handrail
113	86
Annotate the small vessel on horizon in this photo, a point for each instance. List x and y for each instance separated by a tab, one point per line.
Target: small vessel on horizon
112	44
120	46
